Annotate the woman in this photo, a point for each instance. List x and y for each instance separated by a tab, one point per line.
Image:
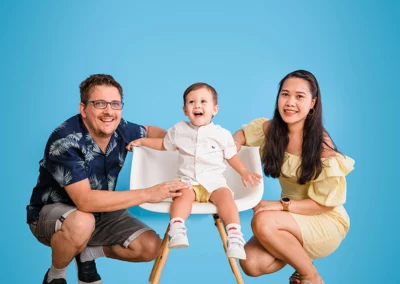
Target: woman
309	221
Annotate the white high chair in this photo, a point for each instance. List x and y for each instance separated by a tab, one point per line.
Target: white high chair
151	167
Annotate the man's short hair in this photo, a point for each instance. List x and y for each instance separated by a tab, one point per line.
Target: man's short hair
87	86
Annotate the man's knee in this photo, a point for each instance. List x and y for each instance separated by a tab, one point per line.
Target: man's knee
78	227
152	246
149	245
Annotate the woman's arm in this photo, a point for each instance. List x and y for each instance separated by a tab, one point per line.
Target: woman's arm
303	207
239	138
308	207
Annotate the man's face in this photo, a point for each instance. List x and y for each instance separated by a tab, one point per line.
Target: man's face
101	123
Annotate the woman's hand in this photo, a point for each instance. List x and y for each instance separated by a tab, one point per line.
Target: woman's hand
268	205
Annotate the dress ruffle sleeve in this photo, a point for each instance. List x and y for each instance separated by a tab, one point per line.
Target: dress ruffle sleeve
329	188
254	132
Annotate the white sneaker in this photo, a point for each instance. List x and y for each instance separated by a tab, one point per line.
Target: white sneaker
177	236
235	244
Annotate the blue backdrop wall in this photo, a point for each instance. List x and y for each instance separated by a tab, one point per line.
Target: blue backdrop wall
155	50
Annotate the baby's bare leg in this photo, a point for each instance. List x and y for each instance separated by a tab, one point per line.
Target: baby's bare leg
227	209
182	205
229	214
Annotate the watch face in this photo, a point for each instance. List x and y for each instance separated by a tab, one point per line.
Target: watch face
285	199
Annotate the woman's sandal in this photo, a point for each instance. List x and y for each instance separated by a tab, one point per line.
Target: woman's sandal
308	282
294	278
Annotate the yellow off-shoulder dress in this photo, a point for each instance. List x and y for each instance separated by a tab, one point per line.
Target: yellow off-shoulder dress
322	233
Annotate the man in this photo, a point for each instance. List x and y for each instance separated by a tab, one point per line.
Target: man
74	208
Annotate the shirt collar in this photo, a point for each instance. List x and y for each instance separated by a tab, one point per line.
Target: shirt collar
211	124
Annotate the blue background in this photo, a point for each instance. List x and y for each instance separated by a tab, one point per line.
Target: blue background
156	50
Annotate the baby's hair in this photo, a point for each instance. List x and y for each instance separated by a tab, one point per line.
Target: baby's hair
197	86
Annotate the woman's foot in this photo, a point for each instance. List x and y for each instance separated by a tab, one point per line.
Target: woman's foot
312	280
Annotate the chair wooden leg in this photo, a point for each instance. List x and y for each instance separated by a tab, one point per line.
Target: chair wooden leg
232	261
160	260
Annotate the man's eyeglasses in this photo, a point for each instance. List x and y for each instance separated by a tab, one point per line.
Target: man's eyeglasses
117	105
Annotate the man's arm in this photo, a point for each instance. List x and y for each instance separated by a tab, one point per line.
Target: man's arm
88	200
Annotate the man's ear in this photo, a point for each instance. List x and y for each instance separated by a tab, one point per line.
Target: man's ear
184	110
82	107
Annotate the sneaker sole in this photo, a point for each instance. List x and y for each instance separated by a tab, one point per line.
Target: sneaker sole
81	282
236	254
176	244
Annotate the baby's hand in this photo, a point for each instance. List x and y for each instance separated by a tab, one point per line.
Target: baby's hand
249	177
134	143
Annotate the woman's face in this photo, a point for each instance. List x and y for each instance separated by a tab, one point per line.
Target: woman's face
295	101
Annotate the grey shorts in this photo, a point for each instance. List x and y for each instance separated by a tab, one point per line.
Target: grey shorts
112	228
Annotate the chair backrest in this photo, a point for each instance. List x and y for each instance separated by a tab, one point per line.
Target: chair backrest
151	167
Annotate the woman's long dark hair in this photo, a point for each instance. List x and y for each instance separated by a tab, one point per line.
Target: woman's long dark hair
277	136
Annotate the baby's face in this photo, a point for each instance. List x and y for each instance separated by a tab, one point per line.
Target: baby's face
200	107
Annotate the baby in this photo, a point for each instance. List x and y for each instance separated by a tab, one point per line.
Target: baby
202	147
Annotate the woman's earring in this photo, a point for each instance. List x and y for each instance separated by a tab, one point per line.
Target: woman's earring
311	113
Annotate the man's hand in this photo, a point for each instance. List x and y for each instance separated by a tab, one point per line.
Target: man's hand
268	205
165	190
134	143
250	177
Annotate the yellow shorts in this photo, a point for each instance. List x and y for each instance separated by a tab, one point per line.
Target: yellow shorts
202	194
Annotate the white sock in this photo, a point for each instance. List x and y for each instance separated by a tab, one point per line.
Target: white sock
177	221
91	253
55	273
233	228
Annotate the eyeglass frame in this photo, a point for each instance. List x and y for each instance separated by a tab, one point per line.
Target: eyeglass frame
107	103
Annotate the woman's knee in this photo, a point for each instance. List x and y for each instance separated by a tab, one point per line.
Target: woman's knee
249	267
78	227
264	223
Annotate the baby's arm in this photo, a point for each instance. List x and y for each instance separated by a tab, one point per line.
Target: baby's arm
239	167
153	143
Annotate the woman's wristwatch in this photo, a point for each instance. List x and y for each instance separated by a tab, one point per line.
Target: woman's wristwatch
285	201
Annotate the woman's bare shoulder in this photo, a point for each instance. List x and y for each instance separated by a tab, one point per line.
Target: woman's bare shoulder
266	124
328	147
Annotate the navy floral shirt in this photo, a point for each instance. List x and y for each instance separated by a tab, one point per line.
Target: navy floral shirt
71	155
